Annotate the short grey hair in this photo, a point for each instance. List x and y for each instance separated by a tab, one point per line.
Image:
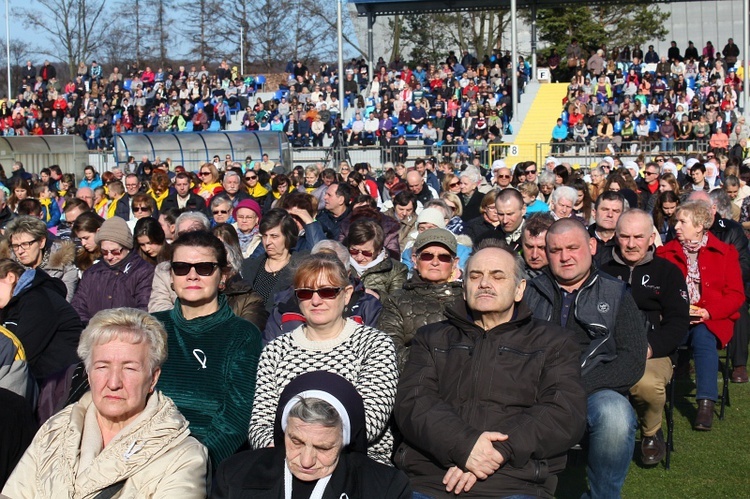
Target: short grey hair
472	174
493	242
231	173
439	203
547	178
335	247
26	224
311	410
220	200
721	201
564	192
194	217
125	324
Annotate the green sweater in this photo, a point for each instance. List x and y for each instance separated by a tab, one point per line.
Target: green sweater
210	374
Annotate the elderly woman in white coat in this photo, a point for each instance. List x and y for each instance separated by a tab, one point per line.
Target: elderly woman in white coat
124	436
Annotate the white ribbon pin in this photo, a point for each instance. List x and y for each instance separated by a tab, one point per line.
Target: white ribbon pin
200	357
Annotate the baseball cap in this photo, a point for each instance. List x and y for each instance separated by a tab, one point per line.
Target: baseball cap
442	237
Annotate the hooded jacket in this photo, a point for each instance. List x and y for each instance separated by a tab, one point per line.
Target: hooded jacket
58	260
260	474
520	378
103	286
154	455
45	323
417	304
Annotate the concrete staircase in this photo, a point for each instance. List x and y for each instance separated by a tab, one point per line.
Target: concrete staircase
539	116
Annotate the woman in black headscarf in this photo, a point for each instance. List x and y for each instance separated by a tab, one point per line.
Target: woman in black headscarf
320	449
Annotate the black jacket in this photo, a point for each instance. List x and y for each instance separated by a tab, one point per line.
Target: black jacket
658	288
46	324
472	207
730	232
520	378
331	223
260	475
194	203
478	228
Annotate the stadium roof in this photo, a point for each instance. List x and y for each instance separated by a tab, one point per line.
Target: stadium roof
386	7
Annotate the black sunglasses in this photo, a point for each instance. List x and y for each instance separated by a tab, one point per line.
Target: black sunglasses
251	177
304	294
136	209
201	268
426	256
220	212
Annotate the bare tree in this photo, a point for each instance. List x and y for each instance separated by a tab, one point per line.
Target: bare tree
75	28
20	52
203	29
162	26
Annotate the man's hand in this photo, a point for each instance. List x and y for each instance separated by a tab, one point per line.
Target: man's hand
484	459
458	481
302	214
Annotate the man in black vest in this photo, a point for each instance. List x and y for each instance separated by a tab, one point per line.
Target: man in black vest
611	332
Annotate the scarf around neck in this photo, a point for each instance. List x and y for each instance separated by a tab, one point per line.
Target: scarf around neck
693	279
200	325
362	268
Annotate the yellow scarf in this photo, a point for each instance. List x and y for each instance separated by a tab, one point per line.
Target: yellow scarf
258	191
209	188
100	205
112	208
46	203
160	198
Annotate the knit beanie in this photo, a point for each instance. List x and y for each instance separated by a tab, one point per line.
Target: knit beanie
250	205
433	216
116	230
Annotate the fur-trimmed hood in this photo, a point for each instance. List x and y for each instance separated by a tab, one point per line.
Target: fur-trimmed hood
61	253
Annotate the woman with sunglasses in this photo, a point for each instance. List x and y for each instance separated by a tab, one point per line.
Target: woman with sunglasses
209	185
451	183
213	354
328	342
120	279
221	211
255	186
425	296
369	259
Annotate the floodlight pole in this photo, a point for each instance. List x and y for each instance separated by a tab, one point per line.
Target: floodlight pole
7	44
340	27
514	55
745	50
533	41
242	50
370	48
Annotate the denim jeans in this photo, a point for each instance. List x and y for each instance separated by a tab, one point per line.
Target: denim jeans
611	425
706	357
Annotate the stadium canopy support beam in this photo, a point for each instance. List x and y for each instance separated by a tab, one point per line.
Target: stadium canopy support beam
514	56
746	56
370	46
533	42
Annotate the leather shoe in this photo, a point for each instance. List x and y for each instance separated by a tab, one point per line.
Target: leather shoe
739	374
653	449
705	417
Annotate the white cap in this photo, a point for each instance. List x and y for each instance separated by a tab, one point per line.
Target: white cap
608	159
497	164
669	167
552	159
689	163
632	167
434	216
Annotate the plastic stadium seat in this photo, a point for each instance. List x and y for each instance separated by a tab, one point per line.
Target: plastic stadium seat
618	126
260	82
652	126
188	127
565	117
215	126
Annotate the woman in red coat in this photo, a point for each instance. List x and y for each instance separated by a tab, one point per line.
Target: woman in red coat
714	280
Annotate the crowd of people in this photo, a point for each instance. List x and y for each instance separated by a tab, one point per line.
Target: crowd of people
362	331
631	101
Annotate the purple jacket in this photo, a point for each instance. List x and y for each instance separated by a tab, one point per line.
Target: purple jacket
126	284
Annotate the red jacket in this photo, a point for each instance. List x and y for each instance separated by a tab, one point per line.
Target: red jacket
722	293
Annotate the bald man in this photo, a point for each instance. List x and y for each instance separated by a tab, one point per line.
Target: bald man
659	290
86	194
611	332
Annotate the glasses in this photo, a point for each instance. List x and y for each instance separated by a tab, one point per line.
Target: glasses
426	256
651	173
304	294
25	245
242	218
220	212
454	184
364	253
136	209
503	176
115	252
660	160
203	174
204	269
251	177
529	172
